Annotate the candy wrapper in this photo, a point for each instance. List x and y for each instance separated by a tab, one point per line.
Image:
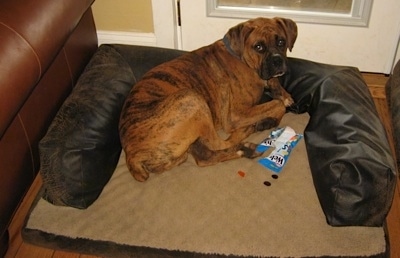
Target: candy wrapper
278	157
270	140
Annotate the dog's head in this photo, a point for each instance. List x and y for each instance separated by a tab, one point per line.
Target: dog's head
262	44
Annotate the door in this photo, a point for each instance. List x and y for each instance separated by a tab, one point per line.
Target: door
371	48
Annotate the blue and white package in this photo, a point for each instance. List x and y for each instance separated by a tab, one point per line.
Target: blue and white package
270	140
278	158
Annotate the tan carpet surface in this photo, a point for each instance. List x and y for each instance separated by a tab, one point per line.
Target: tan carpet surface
215	210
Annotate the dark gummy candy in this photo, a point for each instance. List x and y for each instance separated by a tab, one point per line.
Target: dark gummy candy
267	183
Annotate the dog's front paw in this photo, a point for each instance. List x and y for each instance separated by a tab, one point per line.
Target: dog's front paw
248	150
288	101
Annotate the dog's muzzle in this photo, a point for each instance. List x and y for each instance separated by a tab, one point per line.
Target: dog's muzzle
273	66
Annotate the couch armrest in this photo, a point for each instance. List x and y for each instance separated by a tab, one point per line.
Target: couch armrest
29	41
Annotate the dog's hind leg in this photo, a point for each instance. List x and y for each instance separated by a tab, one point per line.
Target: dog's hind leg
161	141
141	167
193	121
206	157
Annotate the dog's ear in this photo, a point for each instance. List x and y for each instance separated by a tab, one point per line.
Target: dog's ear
290	29
236	37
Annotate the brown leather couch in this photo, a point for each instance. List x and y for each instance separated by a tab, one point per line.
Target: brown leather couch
44	46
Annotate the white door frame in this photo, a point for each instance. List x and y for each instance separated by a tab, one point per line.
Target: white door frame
166	28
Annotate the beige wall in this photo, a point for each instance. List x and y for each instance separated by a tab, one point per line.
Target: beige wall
123	15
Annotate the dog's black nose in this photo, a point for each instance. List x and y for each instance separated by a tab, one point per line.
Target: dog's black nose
277	60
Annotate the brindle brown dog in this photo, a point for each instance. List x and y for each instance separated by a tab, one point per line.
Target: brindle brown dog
178	107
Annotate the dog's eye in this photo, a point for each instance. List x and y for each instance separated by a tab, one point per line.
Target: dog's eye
281	43
259	48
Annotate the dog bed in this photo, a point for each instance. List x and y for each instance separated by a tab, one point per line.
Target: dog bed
237	208
352	172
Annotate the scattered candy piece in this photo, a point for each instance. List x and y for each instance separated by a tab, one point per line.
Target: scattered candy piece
241	173
267	183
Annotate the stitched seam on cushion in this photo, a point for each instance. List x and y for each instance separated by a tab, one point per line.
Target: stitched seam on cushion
30	46
29	144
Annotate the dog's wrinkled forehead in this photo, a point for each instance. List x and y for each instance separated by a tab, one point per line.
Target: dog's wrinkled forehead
261	28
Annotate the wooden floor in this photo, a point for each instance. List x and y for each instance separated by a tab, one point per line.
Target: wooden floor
20	249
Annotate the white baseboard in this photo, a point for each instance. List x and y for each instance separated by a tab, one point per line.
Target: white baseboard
128	38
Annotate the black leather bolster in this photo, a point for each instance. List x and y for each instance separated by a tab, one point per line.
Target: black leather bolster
350	159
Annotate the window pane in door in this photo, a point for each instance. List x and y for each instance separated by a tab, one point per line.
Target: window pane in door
328	6
338	12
